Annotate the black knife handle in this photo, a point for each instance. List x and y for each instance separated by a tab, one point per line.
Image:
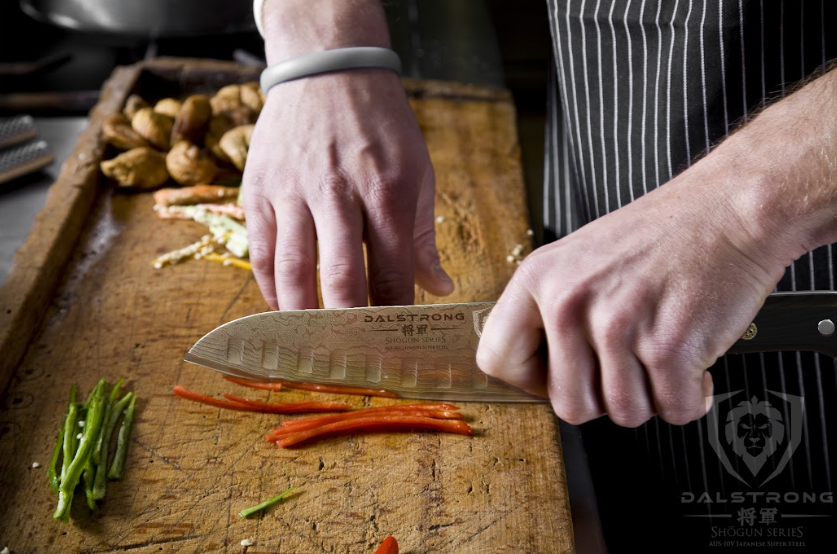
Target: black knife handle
804	321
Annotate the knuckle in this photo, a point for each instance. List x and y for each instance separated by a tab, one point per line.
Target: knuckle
573	406
293	271
677	409
613	327
339	276
260	256
629	419
667	354
392	284
563	312
573	412
331	188
388	192
676	416
625	409
529	271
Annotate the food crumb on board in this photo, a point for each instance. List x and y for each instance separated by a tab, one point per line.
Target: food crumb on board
36	465
245	542
516	256
529	232
440	219
5	550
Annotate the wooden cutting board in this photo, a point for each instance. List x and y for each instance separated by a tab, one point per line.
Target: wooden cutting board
107	313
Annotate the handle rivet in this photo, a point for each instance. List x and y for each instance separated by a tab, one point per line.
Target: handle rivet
825	327
751	332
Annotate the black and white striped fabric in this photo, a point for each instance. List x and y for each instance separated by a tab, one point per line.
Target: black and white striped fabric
640	89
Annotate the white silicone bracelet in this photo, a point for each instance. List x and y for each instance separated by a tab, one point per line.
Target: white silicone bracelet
330	60
257	15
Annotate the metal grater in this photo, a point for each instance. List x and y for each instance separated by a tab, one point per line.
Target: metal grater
14	130
23	159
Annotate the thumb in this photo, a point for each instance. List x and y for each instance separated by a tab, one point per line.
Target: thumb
429	273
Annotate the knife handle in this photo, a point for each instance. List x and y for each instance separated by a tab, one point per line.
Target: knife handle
804	321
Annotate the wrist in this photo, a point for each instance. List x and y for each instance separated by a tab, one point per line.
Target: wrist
297	27
783	166
335	89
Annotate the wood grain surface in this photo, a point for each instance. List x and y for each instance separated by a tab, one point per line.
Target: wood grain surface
192	468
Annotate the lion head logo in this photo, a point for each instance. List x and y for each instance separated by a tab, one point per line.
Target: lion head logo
755	430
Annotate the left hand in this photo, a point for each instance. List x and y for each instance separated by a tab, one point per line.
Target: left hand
636	305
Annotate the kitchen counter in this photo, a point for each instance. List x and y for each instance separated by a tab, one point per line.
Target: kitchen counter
21	199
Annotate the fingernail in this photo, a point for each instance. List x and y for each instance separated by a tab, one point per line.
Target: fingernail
708	389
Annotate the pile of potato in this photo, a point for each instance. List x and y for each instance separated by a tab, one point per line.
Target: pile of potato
195	141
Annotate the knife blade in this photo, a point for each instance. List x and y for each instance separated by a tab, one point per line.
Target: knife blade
429	352
426	352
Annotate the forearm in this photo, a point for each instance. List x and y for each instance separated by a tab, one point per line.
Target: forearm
296	27
783	168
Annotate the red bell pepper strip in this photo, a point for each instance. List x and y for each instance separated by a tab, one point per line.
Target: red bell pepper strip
377	423
245	405
368	411
279	384
183	392
253	384
313	422
291	407
389	546
339	389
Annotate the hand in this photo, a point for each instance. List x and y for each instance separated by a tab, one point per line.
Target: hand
336	160
634	306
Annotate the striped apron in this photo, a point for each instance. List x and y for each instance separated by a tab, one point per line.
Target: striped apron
639	90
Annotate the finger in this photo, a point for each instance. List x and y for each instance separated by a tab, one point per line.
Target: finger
625	387
296	257
389	242
261	233
510	347
573	382
679	390
429	273
340	238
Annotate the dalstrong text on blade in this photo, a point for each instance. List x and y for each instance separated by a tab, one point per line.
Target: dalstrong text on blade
404	317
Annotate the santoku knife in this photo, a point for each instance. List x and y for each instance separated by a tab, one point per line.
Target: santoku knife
430	351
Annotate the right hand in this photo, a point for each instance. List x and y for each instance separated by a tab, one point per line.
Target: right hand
336	160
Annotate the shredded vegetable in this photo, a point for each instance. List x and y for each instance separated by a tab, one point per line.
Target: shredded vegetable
389	546
83	445
246	405
266	504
